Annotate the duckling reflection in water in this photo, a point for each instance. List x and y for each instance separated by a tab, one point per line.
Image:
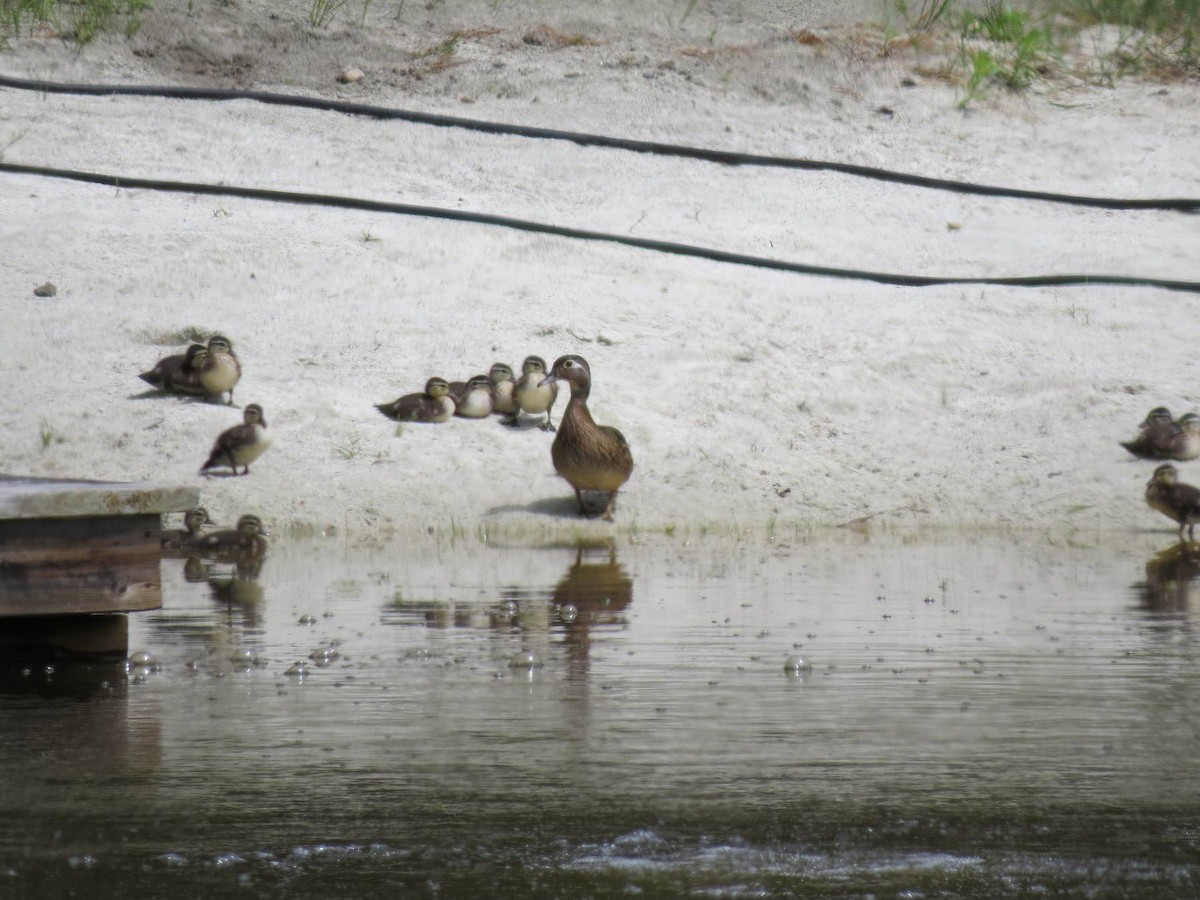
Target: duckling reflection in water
241	444
247	541
1175	500
590	457
1169	578
1160	437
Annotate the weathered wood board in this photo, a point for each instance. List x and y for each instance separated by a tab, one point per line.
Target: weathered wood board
71	547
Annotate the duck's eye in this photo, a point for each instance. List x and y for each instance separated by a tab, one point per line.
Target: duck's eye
568	363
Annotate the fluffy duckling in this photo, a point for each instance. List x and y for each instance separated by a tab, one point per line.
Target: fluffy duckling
501	376
590	457
475	399
193	521
1178	502
178	373
1162	438
533	392
241	444
248	540
434	405
219	369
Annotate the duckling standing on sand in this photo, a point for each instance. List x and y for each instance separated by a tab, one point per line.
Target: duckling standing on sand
248	540
475	399
501	376
590	457
178	373
1178	502
220	369
241	444
1162	438
533	392
434	405
193	521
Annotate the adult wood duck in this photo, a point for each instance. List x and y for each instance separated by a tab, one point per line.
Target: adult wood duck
219	369
248	540
193	521
434	405
501	377
533	392
474	400
1178	502
178	373
241	444
1160	437
590	457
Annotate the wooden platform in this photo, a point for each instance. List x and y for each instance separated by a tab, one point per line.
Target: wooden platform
72	547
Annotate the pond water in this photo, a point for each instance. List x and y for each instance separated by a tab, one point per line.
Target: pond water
975	715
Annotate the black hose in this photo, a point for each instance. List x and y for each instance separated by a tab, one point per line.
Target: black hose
433	212
724	157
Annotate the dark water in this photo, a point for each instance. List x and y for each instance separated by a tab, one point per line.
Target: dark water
983	717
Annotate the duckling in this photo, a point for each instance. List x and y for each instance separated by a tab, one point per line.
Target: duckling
178	373
1179	502
1158	415
248	540
533	392
241	444
220	368
1162	438
434	405
590	457
475	399
193	521
501	376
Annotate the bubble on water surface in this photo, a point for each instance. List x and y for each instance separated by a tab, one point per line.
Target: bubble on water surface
525	659
796	664
142	659
243	659
568	613
324	656
308	619
298	669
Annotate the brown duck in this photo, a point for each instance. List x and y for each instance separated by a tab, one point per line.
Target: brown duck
590	457
1178	502
435	405
1160	437
474	399
178	373
219	369
193	521
533	393
247	540
241	444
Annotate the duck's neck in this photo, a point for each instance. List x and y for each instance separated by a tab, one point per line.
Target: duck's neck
577	409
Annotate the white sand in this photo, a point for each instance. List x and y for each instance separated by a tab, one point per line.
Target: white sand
749	397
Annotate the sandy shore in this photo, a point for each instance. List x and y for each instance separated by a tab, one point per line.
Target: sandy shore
750	398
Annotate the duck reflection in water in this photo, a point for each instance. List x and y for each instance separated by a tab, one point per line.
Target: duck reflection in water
593	592
1170	575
